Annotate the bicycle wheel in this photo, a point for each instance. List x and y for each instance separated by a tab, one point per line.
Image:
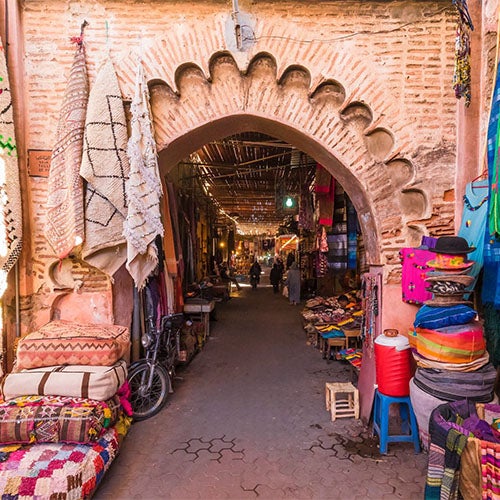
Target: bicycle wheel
146	403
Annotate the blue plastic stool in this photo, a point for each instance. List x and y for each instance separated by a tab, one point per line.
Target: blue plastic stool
409	427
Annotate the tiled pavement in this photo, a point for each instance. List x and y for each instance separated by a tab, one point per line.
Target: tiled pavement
248	420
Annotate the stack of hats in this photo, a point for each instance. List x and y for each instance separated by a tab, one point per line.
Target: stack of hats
447	340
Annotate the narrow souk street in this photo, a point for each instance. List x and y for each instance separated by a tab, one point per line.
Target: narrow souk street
248	420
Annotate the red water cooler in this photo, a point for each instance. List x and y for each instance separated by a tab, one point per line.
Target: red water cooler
393	363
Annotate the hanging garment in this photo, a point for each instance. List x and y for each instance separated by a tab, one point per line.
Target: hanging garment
168	240
105	167
492	332
493	144
413	274
473	225
490	292
143	222
11	222
306	211
64	225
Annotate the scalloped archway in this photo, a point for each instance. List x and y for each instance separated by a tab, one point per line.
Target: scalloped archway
344	123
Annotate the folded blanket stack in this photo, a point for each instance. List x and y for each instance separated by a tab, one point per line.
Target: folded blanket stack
68	388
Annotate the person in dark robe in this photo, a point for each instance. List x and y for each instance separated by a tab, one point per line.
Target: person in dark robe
275	277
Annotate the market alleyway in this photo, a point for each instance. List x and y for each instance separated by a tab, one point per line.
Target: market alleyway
248	420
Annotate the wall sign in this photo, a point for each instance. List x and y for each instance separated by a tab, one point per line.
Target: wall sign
39	162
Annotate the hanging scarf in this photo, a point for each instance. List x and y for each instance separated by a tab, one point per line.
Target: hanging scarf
64	223
143	187
105	167
461	75
11	222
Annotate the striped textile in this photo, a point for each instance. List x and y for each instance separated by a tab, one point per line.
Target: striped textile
448	440
451	386
440	317
64	226
452	344
490	470
454	367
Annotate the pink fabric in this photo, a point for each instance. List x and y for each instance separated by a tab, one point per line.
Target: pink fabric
413	274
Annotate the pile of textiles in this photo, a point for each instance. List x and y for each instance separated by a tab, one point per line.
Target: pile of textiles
353	356
328	310
63	406
447	340
464	452
325	317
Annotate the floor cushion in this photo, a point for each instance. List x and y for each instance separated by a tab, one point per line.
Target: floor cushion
451	344
53	419
79	381
65	343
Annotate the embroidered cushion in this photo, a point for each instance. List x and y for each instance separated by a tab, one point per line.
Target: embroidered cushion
78	381
65	343
51	419
439	317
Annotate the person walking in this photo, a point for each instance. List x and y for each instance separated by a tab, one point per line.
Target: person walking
293	283
254	272
275	277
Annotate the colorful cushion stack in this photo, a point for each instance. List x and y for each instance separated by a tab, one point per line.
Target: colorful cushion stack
447	340
63	401
82	386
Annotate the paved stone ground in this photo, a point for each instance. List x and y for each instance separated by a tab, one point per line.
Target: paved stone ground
248	420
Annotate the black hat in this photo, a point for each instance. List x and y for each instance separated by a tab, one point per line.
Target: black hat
453	245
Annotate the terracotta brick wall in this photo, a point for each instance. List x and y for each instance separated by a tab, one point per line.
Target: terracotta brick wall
365	87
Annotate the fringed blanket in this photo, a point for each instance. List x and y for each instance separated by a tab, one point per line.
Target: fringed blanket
64	224
143	222
11	222
105	167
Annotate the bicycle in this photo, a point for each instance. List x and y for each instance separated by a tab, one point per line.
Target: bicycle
150	378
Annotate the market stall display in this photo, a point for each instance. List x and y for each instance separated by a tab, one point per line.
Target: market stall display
447	340
61	426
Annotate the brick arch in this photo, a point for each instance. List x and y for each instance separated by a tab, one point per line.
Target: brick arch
343	120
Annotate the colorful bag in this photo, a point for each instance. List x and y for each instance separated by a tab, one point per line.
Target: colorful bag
79	381
66	343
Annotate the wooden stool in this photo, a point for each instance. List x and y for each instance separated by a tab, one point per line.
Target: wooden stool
342	399
333	342
352	334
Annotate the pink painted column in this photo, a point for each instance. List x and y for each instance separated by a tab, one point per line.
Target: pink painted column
469	154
